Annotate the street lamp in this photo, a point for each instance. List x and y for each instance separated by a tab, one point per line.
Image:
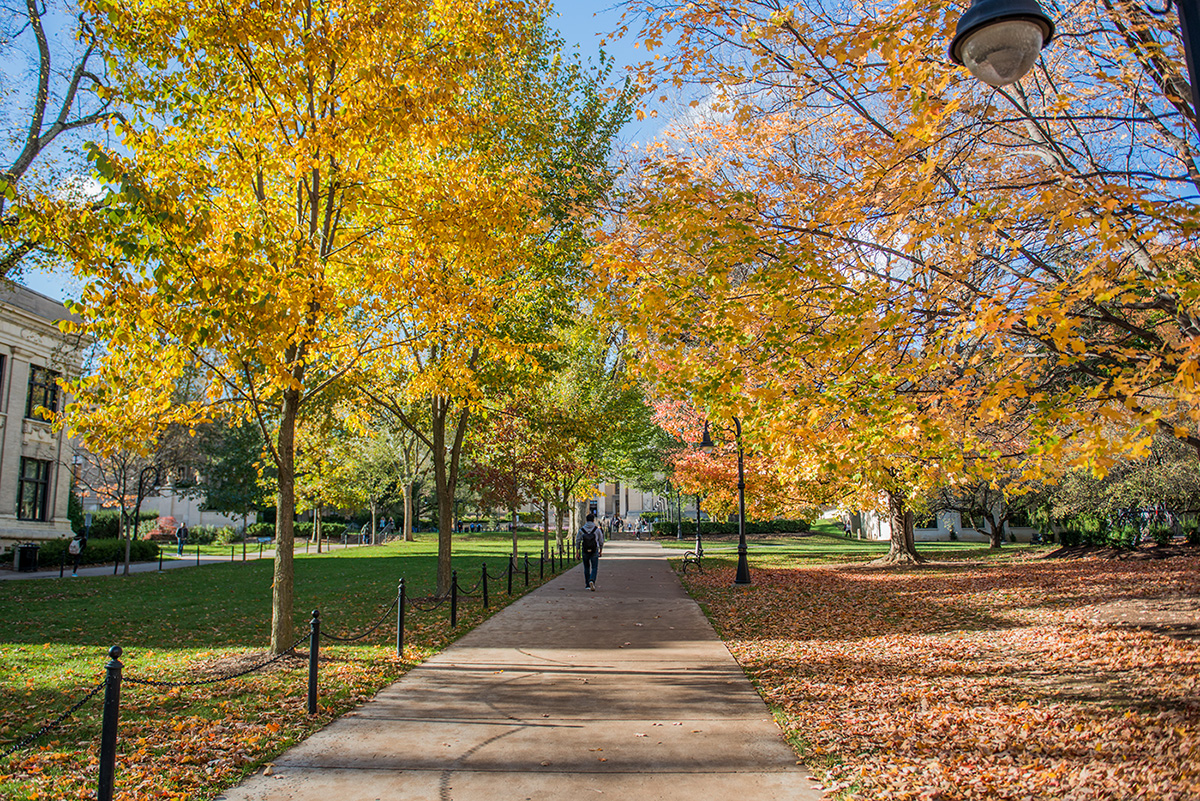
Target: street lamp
706	444
706	447
999	40
743	567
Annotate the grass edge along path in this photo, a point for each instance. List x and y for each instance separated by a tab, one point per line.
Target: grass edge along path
977	679
195	741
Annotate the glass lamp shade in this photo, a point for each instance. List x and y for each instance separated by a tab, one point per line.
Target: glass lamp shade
1002	53
999	40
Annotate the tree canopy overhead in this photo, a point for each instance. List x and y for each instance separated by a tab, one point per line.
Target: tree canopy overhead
896	275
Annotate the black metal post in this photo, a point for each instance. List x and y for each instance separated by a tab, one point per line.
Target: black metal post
314	647
232	553
260	550
526	570
62	568
699	550
510	572
453	598
197	555
160	557
243	547
108	729
117	561
743	566
483	583
542	567
400	622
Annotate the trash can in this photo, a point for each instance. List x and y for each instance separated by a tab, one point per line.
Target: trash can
28	556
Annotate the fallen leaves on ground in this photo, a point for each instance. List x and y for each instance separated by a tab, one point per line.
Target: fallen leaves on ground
973	682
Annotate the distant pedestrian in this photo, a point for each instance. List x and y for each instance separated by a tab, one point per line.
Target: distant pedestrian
590	540
75	549
181	534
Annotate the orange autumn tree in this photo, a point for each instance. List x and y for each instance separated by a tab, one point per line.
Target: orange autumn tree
289	174
714	476
909	276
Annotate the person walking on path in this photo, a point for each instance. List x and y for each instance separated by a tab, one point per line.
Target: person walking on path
590	540
181	534
75	549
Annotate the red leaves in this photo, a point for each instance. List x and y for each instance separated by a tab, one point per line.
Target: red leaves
973	683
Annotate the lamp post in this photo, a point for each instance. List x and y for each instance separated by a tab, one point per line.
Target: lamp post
999	40
743	566
706	447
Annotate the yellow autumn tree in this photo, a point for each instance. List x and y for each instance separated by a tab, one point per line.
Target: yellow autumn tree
289	175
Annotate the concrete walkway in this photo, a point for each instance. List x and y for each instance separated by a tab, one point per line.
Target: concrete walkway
624	693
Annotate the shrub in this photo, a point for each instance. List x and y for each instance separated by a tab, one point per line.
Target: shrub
1124	536
1162	535
203	535
106	523
953	534
97	552
332	531
227	535
258	530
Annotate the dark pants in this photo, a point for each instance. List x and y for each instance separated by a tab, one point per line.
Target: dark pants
78	559
591	561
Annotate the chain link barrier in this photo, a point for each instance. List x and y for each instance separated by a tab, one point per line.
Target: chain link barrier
430	607
511	568
383	619
218	679
32	738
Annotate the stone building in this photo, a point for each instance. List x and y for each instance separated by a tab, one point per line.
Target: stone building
35	460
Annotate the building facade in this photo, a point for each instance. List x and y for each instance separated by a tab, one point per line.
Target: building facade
35	460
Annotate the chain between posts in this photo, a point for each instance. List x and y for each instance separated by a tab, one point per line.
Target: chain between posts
383	619
35	736
114	669
290	651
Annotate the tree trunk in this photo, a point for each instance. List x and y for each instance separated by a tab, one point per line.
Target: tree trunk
996	532
445	479
128	539
903	550
408	511
282	598
512	515
374	522
316	532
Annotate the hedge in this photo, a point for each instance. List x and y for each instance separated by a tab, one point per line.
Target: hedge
97	552
711	528
106	523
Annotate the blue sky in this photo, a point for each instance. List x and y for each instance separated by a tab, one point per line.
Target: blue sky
583	23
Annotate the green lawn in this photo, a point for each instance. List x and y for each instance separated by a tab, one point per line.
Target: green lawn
189	624
825	544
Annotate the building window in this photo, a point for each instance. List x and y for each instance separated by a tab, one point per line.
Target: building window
43	391
34	489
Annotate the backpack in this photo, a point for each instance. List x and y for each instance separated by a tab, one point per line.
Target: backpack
587	540
74	548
